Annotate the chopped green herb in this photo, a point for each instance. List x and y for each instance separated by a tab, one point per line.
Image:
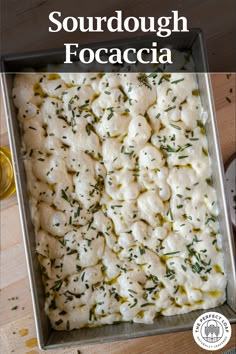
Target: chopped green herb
177	81
57	285
57	323
169	109
142	78
135	303
175	126
142	251
171	253
14	308
64	196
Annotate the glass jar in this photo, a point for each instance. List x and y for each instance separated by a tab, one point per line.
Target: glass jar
7	183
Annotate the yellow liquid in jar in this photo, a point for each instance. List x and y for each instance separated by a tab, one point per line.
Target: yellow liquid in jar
7	183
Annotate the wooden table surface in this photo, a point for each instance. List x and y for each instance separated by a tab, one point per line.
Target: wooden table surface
16	320
24	24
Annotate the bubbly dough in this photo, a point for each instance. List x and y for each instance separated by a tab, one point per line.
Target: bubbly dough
121	196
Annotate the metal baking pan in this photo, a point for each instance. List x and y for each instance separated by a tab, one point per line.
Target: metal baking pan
51	339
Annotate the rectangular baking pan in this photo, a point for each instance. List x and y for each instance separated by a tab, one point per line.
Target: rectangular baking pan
51	339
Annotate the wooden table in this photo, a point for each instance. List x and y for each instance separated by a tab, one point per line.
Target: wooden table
17	322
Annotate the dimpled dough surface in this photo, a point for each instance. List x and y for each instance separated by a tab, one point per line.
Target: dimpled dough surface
119	180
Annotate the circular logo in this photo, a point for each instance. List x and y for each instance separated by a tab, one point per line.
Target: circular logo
211	331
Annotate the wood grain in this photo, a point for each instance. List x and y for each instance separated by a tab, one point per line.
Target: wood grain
30	18
15	289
